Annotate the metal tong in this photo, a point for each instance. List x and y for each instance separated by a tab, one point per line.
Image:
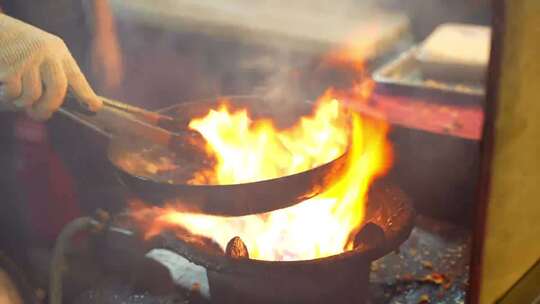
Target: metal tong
116	119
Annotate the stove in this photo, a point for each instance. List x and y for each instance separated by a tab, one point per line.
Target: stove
166	268
404	276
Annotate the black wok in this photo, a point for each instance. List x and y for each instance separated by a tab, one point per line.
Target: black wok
234	199
132	130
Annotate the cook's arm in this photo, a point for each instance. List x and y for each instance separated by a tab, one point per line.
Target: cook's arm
36	69
106	54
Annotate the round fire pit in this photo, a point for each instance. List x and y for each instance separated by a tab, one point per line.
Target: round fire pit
341	278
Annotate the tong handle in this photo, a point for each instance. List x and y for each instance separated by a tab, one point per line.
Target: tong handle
116	119
71	104
140	113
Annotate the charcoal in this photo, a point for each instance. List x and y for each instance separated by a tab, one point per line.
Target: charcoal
370	236
237	249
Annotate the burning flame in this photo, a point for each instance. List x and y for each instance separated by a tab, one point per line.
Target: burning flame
249	150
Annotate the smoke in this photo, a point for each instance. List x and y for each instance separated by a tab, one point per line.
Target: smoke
426	15
179	50
272	49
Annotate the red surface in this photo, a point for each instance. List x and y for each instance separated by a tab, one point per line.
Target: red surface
454	120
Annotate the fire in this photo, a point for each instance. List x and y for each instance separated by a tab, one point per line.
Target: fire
252	150
249	149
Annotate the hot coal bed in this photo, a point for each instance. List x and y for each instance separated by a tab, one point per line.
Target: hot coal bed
172	269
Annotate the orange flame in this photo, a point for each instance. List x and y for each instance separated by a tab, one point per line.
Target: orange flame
248	150
314	228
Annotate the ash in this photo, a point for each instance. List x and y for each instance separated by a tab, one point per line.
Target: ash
116	292
432	266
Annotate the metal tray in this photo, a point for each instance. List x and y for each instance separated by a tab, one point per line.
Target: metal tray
404	77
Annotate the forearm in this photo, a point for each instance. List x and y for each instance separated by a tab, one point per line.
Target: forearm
106	53
103	21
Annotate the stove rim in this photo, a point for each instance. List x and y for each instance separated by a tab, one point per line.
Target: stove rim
396	224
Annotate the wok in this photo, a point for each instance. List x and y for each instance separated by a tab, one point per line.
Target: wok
132	130
232	199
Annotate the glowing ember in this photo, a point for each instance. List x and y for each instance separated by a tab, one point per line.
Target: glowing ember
317	227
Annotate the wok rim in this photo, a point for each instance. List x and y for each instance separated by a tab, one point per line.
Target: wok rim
338	159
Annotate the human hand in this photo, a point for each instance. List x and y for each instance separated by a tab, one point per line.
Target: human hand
36	69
